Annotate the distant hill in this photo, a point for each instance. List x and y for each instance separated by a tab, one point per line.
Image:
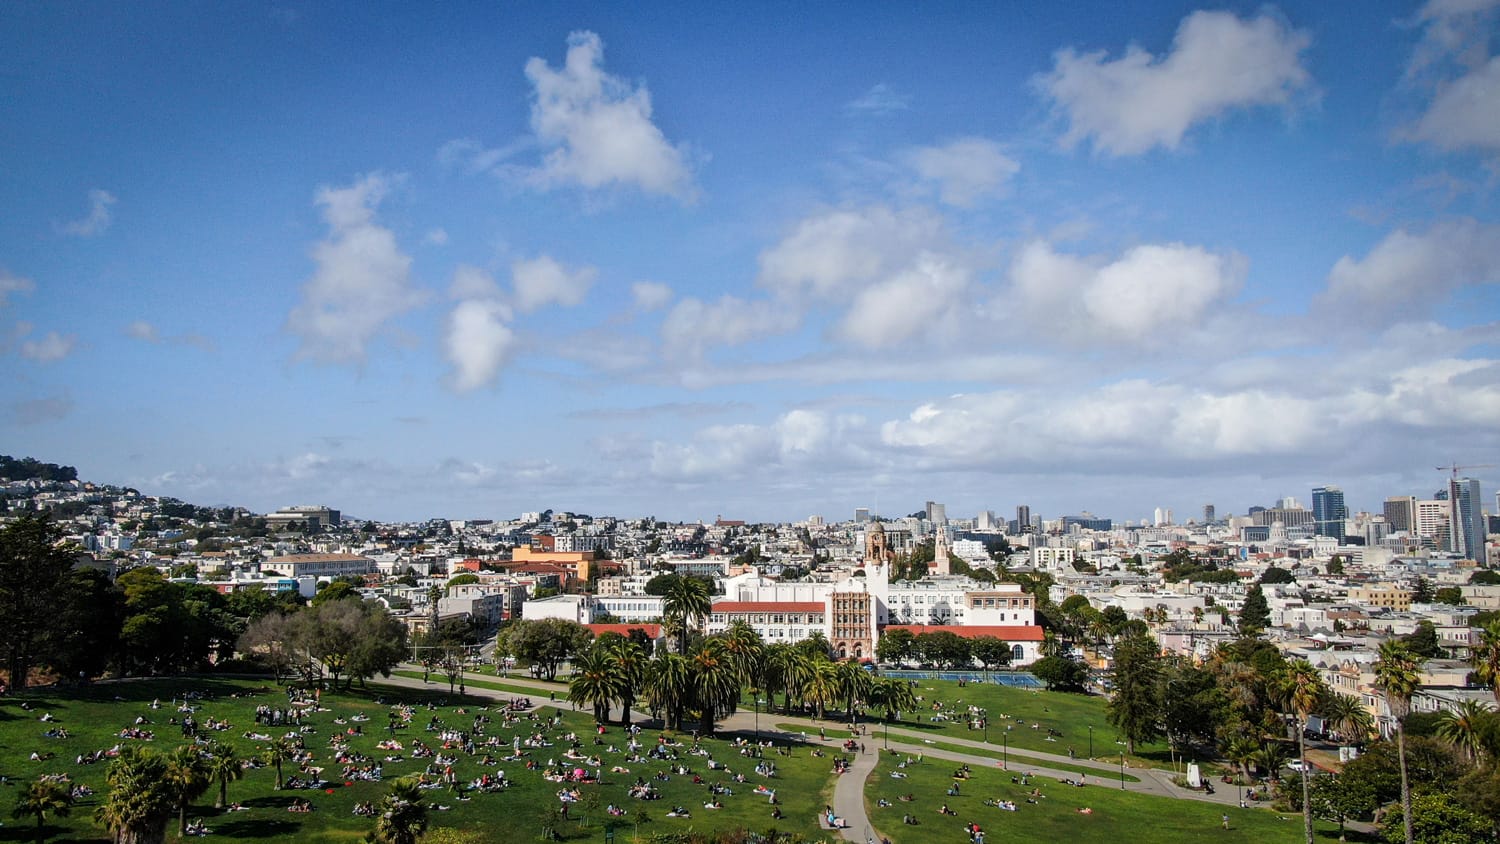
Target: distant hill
30	468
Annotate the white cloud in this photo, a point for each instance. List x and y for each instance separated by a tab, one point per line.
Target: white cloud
964	170
599	127
98	219
13	284
143	331
362	279
1148	290
543	281
914	301
650	295
880	100
1217	62
694	325
831	255
52	347
1407	273
1463	114
435	237
798	438
471	282
478	343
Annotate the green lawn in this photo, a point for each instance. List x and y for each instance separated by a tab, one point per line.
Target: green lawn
94	717
1115	815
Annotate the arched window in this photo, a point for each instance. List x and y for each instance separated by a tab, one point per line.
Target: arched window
843	652
1016	653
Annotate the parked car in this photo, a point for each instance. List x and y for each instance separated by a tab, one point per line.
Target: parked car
1298	766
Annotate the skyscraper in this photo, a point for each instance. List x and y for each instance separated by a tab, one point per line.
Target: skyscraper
1208	514
1401	513
1329	512
861	514
1467	526
1023	518
937	513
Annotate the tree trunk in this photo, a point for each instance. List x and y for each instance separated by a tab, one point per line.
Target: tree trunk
1405	788
1307	826
223	793
181	819
628	702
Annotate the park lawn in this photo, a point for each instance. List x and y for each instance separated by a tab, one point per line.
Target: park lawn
95	715
1117	816
876	738
440	684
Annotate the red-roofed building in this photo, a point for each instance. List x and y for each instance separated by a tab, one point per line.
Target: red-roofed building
651	630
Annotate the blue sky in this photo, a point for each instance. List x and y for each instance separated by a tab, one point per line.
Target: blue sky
765	262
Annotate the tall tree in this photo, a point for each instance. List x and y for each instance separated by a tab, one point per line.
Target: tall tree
1135	705
628	662
402	814
543	643
594	683
187	776
1398	675
715	683
669	688
224	766
687	601
1255	613
1486	658
1303	691
34	576
1465	729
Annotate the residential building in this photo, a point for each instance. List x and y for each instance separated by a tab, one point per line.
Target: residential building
320	565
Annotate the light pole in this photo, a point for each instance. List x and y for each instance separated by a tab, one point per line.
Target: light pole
756	693
1005	752
1122	771
1091	741
888	734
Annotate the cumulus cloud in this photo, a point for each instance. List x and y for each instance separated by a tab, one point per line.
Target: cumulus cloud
471	282
362	279
693	325
1217	62
650	295
435	237
797	438
1462	115
1409	272
911	302
830	255
543	281
1148	289
143	331
964	171
51	347
97	220
599	128
478	343
13	284
879	101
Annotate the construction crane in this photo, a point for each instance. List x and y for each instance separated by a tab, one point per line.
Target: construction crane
1455	468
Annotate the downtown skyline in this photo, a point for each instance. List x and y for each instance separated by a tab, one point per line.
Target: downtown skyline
473	260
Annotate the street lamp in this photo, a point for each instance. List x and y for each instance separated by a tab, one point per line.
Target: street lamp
1122	771
1005	752
888	734
756	693
1091	741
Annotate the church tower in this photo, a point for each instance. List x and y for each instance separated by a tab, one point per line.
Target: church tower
940	552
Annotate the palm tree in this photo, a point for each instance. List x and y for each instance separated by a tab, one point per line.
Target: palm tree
278	750
788	669
687	601
854	684
594	683
822	687
629	664
1271	756
1304	691
669	685
141	798
1465	728
225	766
403	814
715	683
43	798
1486	658
1398	675
187	776
1242	751
1349	718
894	695
746	651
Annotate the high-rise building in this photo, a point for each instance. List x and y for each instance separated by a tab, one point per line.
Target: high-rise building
1162	516
985	520
1467	527
861	514
1023	518
1208	514
1401	513
1329	512
1433	521
937	513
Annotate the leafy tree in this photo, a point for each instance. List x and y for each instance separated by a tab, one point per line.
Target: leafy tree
462	579
895	645
543	643
1485	577
1135	703
85	632
351	639
1273	574
1438	818
1421	593
338	590
944	648
40	799
990	651
1255	614
1451	595
1423	641
1336	565
1190	704
1338	799
1397	674
34	579
1061	673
